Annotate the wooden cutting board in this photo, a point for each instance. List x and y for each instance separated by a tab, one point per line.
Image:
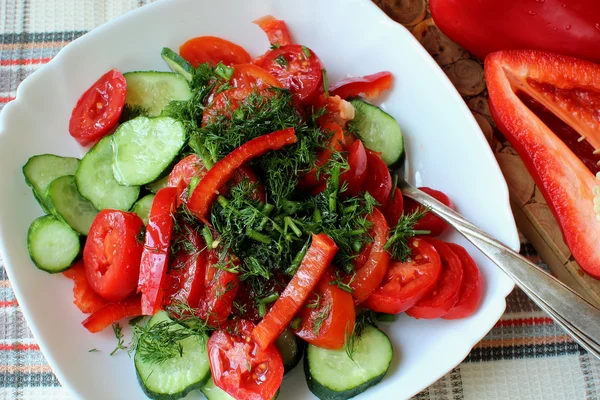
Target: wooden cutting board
532	214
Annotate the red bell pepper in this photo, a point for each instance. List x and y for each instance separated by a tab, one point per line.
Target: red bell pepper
84	296
313	266
566	27
208	187
370	86
276	30
564	167
113	312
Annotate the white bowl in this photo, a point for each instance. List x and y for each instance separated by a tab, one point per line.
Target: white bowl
352	37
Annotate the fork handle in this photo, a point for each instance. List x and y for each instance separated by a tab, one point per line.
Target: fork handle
537	283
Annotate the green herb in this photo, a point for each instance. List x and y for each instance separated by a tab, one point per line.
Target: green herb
120	338
339	282
130	112
397	244
325	83
135	320
93	351
353	337
385	317
295	324
275	46
224	71
306	51
321	317
280	59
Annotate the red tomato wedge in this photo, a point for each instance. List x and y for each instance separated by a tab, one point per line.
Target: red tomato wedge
113	312
471	289
225	103
357	172
242	368
297	68
246	173
313	266
98	110
368	277
155	256
445	293
112	254
379	183
207	189
407	282
276	30
430	222
394	208
369	86
250	75
327	316
335	144
212	50
182	174
84	296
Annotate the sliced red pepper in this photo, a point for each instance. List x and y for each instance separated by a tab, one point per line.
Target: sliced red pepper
369	86
357	172
113	312
276	30
313	266
155	256
84	296
570	89
208	187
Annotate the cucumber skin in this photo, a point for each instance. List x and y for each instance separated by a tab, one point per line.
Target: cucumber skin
169	55
33	225
173	396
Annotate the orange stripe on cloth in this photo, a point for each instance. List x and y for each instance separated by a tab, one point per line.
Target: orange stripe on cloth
25	61
6	99
524	322
12	303
18	347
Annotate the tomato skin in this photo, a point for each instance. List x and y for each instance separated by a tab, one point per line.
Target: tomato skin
357	173
212	50
445	293
407	282
430	222
471	290
276	30
246	173
242	368
84	296
394	208
379	184
368	277
182	174
99	108
301	74
336	143
112	254
341	316
113	312
370	86
155	257
250	75
225	103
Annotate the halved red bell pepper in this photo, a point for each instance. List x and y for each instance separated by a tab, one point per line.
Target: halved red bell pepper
276	30
566	174
565	27
369	86
208	187
84	296
113	312
313	266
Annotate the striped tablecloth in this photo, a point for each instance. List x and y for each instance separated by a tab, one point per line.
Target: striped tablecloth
525	356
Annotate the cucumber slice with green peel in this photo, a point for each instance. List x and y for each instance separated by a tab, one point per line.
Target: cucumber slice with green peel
153	90
96	182
177	63
155	186
333	375
175	377
41	170
143	206
213	392
52	244
378	130
144	147
65	202
291	349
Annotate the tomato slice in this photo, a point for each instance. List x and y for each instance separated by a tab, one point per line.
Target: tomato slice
276	30
297	68
369	86
182	174
407	282
84	296
242	368
225	103
379	185
368	277
113	312
430	222
250	75
445	294
357	172
112	254
212	50
327	316
99	108
471	289
155	257
336	143
246	173
394	208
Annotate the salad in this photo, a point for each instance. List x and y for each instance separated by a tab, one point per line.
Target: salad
241	213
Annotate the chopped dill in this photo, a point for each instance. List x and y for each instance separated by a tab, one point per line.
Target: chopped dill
397	244
353	337
120	338
321	317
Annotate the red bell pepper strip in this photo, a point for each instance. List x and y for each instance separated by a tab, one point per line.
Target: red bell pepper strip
85	298
569	88
369	86
155	257
276	30
565	27
208	187
313	266
113	312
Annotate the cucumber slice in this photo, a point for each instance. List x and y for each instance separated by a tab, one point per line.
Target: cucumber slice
153	90
144	147
378	130
177	63
66	203
175	377
291	349
332	375
40	170
143	206
155	186
52	244
213	392
96	182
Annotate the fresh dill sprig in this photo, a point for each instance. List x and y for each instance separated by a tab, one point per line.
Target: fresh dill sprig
321	317
353	337
397	244
130	112
93	351
120	338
